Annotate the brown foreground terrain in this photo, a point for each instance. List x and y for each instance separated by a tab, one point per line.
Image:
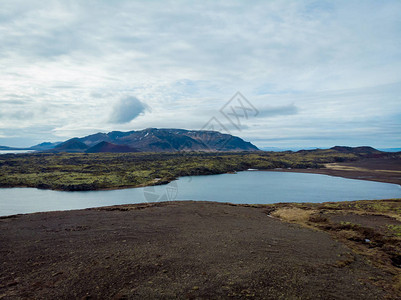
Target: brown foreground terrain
205	250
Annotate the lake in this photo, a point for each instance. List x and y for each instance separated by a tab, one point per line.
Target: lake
252	187
15	151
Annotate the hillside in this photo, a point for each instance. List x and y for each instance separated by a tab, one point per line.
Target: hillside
72	145
110	148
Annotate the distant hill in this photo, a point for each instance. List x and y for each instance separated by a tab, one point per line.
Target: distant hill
294	149
356	150
72	145
39	147
155	140
45	146
109	147
6	148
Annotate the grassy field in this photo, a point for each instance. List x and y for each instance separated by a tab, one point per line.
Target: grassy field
111	171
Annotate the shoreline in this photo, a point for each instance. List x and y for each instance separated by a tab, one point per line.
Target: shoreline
368	175
343	174
147	203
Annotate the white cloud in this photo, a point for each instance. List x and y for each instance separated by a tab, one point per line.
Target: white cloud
127	109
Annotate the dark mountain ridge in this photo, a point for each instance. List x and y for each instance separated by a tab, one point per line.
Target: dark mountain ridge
156	140
356	150
110	148
72	145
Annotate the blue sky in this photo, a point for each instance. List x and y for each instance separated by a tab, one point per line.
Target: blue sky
320	73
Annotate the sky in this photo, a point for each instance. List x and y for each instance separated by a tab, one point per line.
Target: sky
309	73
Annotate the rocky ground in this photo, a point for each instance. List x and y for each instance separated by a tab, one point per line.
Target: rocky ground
190	250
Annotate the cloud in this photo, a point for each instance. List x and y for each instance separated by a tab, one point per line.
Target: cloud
13	102
17	115
285	110
127	109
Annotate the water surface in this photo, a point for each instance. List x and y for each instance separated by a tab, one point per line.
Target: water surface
245	187
15	151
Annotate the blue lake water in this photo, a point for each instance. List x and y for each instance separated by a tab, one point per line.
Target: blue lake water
244	187
15	151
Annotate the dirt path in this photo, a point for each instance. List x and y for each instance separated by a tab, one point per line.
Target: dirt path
176	250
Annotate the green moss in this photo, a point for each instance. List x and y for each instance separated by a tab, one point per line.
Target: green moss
396	229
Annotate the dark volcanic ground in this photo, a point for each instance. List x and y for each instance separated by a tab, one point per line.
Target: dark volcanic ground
176	250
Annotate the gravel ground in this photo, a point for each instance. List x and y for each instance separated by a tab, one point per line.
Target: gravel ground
184	250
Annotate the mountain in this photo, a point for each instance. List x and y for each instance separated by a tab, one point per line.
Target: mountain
156	140
6	148
72	145
39	147
109	147
45	146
